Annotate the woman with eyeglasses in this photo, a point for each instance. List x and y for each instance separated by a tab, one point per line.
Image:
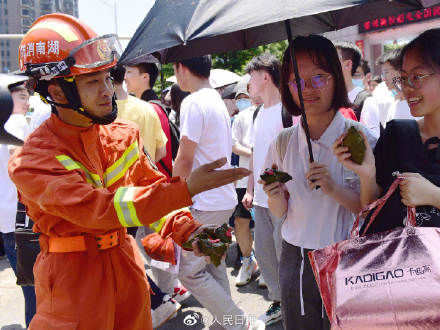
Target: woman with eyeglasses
410	147
320	201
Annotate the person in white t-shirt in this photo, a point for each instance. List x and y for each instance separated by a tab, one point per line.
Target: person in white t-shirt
41	111
385	93
392	99
368	112
205	135
264	70
315	218
240	146
16	125
399	109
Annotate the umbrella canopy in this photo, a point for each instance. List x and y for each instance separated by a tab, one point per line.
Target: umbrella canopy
206	26
217	78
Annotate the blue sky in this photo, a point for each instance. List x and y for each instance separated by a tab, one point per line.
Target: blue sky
99	15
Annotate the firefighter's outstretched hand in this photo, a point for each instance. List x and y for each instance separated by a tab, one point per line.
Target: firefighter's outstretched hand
208	176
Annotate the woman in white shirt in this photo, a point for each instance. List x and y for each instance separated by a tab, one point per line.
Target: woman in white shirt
315	217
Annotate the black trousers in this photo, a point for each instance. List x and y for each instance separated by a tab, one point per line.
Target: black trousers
301	303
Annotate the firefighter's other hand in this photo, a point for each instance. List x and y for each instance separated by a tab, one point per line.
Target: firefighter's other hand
208	176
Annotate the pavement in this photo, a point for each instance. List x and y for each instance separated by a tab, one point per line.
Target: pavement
192	316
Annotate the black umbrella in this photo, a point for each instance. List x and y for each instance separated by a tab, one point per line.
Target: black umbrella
8	81
179	29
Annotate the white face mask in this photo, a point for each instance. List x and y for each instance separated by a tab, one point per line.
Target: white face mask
358	83
243	104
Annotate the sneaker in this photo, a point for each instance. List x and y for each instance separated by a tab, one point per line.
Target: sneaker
166	311
180	294
261	283
248	268
273	314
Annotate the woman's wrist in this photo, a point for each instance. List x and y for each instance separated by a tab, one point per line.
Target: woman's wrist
369	177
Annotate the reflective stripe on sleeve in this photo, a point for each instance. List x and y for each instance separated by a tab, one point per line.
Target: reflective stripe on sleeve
120	167
70	164
123	202
157	226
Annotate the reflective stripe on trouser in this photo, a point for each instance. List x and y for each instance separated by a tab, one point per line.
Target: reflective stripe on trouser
301	303
207	283
82	291
123	203
267	243
120	167
70	164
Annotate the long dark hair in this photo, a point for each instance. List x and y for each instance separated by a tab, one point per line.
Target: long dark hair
324	55
427	48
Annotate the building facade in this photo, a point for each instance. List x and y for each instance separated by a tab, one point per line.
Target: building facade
16	17
375	36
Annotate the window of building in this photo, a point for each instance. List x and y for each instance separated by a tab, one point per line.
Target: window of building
46	7
7	42
6	11
3	53
8	54
26	22
26	12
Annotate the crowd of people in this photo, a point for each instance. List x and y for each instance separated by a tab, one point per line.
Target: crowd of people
103	153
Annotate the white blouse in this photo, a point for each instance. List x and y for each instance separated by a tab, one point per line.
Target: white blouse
315	220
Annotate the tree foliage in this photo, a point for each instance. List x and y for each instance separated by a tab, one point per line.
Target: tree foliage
233	61
236	61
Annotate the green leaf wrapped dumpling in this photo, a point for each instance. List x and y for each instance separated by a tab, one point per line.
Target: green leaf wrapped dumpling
271	175
356	146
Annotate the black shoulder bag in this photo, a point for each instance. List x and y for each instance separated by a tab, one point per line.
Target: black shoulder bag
28	247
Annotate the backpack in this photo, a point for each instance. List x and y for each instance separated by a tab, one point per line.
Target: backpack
285	116
358	102
174	130
174	133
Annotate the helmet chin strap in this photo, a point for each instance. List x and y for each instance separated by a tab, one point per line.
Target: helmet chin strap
70	90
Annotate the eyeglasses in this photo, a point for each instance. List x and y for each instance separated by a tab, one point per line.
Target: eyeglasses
317	82
415	81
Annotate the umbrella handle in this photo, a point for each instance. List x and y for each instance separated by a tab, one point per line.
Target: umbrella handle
298	83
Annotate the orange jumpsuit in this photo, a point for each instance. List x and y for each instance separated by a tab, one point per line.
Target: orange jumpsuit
78	181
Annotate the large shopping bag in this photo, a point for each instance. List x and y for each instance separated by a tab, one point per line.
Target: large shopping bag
388	280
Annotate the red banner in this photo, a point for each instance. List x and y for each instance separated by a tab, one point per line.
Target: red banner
400	19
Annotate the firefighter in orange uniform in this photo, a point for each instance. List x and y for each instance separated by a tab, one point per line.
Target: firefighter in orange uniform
85	177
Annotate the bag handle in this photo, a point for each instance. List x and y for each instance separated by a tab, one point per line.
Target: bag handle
379	203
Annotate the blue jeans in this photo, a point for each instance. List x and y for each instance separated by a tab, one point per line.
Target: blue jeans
28	291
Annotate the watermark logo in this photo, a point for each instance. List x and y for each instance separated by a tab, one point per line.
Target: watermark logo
227	320
191	319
